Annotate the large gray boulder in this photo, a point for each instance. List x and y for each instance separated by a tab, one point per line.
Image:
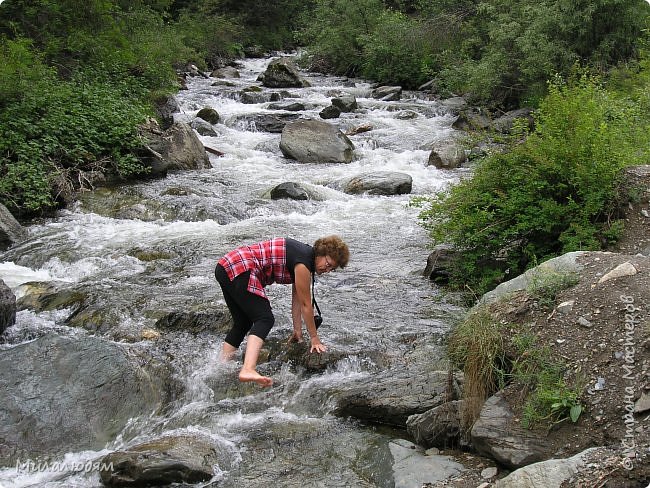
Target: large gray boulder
11	232
392	396
225	72
447	156
7	307
315	141
61	394
345	103
282	73
472	120
379	183
166	107
173	459
177	148
387	93
496	435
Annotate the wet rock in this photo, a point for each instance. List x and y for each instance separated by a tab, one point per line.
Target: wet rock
161	462
7	307
225	72
63	394
209	115
265	123
11	232
288	106
438	427
216	321
47	296
387	93
392	396
282	73
330	112
315	141
448	156
252	97
379	183
204	128
406	115
345	103
289	190
440	264
360	129
455	104
177	148
497	436
552	473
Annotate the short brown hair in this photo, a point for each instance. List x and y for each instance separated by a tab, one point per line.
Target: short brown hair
334	247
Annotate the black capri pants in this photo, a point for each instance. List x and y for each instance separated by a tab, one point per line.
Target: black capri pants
250	312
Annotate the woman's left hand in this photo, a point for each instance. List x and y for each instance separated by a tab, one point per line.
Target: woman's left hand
317	346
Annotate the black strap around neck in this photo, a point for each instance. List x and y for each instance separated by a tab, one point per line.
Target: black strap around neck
313	298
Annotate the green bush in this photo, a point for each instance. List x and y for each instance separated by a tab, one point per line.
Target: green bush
551	194
334	32
397	51
57	135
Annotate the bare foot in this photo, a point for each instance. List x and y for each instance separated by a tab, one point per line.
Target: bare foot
247	375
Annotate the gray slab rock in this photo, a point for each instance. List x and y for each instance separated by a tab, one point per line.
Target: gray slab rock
11	232
392	396
62	394
566	264
497	436
545	474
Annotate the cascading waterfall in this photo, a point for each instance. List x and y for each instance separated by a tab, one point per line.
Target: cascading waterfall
189	219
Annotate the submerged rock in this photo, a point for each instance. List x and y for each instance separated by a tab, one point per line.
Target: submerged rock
7	307
174	459
379	183
63	394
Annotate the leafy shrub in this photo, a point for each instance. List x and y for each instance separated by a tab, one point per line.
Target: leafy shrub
334	32
551	194
58	135
397	51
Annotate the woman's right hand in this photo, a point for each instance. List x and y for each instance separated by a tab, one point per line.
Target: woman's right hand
295	337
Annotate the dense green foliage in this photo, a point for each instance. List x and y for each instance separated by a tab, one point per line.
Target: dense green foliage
553	193
106	62
497	52
77	78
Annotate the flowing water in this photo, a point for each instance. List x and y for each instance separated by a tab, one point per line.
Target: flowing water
283	435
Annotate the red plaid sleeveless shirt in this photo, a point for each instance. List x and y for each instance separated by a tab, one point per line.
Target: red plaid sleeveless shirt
267	262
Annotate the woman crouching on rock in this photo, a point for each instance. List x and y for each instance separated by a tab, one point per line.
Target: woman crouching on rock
244	272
